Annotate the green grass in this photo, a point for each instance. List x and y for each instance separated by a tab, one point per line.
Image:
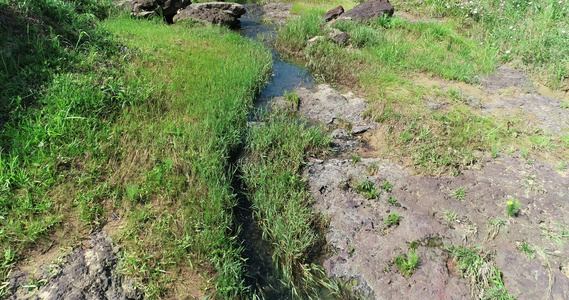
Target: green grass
144	132
390	55
524	34
277	152
407	263
459	193
478	267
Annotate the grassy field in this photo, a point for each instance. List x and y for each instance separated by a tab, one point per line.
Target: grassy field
131	118
390	57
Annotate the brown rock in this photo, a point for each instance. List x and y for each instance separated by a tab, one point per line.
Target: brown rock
367	11
333	13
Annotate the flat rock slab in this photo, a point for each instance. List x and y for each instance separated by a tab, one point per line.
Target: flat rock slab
365	246
88	273
540	111
326	105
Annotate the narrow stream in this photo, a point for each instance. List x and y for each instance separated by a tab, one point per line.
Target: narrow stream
285	77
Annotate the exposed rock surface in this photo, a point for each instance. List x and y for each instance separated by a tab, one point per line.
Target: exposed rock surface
341	38
218	13
365	246
143	8
333	13
367	11
277	12
326	105
88	273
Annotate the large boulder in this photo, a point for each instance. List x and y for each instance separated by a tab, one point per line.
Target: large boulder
333	13
219	13
143	8
370	10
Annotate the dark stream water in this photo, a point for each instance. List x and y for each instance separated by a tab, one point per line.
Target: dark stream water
262	274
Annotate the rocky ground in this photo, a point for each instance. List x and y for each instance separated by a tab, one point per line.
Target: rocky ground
432	219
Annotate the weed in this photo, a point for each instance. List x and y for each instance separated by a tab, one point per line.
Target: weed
367	188
527	249
392	219
562	166
479	268
450	216
393	201
559	237
407	264
373	169
386	186
292	97
355	159
512	207
564	105
495	152
459	193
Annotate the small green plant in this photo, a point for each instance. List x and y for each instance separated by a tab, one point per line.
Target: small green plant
527	249
373	169
292	97
367	188
512	207
355	159
559	237
407	264
562	166
459	193
564	105
450	216
386	186
392	219
495	152
393	201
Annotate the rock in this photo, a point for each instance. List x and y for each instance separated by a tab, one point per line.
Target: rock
88	273
370	10
218	13
341	134
314	39
361	129
341	38
276	12
326	104
144	8
333	13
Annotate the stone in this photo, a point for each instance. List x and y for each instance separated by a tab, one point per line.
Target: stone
341	38
314	39
362	129
370	10
145	8
218	13
333	13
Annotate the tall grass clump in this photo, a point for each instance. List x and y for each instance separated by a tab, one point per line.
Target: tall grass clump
293	37
277	152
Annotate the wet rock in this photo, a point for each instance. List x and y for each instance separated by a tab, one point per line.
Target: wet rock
88	273
333	13
341	38
341	134
144	8
217	13
326	104
370	10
